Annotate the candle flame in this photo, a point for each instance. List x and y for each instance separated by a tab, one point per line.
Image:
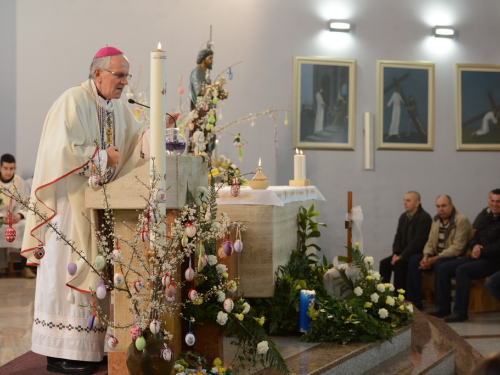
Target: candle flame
159	45
260	160
301	152
296	150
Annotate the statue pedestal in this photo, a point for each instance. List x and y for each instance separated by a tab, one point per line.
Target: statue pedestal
128	197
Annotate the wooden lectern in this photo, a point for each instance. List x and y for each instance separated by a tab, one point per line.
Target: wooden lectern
127	199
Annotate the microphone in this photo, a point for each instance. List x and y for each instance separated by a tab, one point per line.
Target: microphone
132	101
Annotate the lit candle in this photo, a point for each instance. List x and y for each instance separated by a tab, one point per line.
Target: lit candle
299	165
157	118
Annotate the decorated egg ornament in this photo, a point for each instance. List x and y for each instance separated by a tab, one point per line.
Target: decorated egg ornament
138	286
154	326
100	262
190	230
101	291
228	305
140	343
190	339
72	268
238	246
166	353
119	279
112	341
193	295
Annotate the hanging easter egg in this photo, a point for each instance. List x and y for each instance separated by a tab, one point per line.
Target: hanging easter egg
138	286
94	182
184	240
238	246
221	252
119	279
117	256
165	279
112	341
208	126
205	107
144	235
92	322
215	100
140	343
191	126
211	119
204	260
170	290
193	295
135	332
190	230
286	122
189	274
154	326
10	234
235	188
101	291
166	353
100	262
228	305
161	196
181	90
190	339
228	247
39	252
72	268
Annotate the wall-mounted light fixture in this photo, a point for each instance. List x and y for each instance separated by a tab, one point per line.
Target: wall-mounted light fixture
443	31
339	25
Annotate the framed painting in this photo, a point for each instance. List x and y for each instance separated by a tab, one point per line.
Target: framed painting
324	103
405	105
477	105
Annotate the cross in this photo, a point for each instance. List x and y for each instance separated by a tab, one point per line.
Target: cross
494	108
348	225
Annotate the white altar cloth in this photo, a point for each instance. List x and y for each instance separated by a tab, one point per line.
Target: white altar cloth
272	196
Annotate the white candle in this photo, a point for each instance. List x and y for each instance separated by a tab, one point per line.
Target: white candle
368	141
157	117
299	165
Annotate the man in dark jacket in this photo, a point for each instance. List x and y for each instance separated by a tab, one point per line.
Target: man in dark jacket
483	261
412	233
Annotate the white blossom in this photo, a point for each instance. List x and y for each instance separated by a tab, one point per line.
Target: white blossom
369	260
246	308
374	297
381	288
221	296
376	275
383	313
221	318
389	301
262	347
221	268
409	307
212	260
358	291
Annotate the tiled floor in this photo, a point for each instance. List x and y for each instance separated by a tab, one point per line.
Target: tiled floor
482	331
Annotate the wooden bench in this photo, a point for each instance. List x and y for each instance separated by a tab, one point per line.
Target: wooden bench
479	299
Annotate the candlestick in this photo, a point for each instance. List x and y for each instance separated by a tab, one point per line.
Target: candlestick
157	121
259	181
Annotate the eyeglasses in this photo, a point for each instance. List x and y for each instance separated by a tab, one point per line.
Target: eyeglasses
120	76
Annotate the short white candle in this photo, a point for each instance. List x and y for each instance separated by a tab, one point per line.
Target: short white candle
299	166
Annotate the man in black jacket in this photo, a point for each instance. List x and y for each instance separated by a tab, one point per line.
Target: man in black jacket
483	261
412	233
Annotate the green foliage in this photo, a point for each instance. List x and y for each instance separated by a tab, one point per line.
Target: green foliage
371	310
301	272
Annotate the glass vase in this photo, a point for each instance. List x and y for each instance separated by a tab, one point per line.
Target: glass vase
174	142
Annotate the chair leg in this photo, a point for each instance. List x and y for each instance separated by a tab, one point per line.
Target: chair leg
11	272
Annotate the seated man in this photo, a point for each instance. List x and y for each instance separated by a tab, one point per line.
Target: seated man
483	261
10	181
482	214
411	236
448	239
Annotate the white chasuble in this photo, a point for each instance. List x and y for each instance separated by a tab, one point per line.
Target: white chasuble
77	120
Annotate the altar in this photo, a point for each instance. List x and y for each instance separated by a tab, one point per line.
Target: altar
270	219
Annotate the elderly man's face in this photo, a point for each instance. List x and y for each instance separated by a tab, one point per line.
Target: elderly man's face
108	84
444	208
411	203
494	204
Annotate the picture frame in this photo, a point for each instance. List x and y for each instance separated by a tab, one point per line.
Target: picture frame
477	107
405	105
324	103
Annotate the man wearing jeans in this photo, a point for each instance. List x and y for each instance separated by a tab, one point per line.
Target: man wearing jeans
448	239
484	261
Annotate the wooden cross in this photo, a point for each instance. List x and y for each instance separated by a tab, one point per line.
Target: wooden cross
348	225
494	108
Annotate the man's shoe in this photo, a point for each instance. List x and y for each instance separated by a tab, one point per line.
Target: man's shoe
27	273
68	366
455	318
439	313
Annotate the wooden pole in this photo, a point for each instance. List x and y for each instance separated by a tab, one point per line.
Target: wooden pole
349	229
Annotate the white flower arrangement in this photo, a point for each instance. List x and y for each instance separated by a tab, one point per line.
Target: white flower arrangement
221	318
358	291
262	347
381	288
374	297
383	313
